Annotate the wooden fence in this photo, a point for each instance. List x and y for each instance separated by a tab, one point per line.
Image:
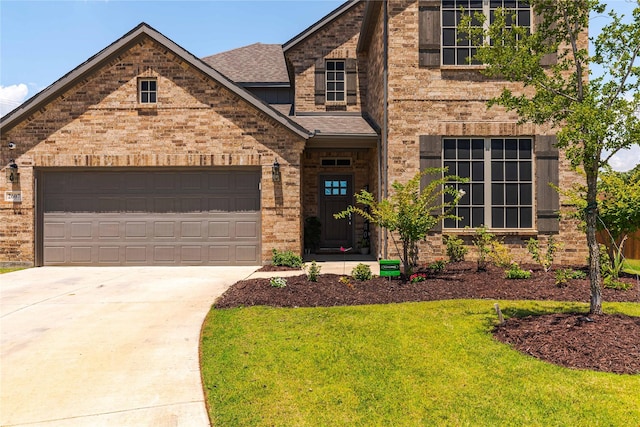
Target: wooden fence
631	247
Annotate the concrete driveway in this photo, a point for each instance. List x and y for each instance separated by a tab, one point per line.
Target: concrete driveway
117	346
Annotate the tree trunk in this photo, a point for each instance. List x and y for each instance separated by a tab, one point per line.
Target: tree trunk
591	217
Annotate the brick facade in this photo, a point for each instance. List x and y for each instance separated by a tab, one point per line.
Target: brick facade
199	122
196	122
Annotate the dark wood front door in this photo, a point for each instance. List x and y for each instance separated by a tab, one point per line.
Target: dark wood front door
336	193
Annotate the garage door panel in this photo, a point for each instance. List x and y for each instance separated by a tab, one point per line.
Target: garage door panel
80	254
109	255
108	229
163	229
54	230
246	253
246	229
191	229
135	229
151	218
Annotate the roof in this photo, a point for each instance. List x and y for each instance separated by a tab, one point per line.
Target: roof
321	23
336	125
125	42
258	63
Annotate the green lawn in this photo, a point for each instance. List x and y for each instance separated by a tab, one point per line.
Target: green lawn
10	269
432	363
632	266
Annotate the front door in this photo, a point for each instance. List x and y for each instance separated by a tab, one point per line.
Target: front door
336	193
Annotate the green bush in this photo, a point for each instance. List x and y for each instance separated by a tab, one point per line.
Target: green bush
610	282
437	266
313	271
515	272
278	282
500	254
286	258
544	259
456	250
483	241
564	275
361	272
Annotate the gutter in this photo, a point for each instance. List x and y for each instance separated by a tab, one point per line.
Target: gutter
384	175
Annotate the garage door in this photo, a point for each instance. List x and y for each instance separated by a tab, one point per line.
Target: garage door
151	217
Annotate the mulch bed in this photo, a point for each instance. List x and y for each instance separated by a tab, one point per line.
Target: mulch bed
609	343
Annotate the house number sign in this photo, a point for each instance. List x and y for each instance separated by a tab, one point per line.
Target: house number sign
13	196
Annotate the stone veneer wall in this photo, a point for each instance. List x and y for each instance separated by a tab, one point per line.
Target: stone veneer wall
338	40
451	101
196	123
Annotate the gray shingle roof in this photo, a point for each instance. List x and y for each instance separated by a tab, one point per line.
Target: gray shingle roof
335	125
256	63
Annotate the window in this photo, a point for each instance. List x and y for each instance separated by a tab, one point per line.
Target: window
336	162
456	50
335	80
335	188
148	91
499	193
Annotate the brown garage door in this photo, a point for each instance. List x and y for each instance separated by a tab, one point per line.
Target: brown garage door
151	217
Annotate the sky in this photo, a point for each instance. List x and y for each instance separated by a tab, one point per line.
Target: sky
41	41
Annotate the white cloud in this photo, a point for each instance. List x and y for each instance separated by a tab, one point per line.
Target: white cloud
12	96
625	160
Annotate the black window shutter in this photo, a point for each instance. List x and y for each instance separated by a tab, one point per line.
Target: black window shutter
352	80
429	30
320	85
548	200
430	157
550	58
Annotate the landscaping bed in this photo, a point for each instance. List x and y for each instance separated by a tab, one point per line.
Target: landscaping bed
606	343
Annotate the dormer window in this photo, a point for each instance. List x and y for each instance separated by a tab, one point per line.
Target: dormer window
148	91
335	80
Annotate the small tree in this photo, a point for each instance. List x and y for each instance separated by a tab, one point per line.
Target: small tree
595	118
410	211
619	205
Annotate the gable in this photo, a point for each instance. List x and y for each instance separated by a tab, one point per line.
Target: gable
111	57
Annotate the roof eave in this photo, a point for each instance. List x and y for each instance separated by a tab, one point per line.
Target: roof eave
371	13
319	24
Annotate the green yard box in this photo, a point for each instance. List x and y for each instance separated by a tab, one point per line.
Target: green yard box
389	268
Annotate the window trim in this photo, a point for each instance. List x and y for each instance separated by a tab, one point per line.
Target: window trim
486	10
327	81
141	80
488	182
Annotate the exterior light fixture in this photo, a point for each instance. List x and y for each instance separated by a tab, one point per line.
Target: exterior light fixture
12	171
275	171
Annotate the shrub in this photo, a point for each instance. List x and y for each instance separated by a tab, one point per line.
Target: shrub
313	271
278	282
346	281
482	240
515	272
611	283
456	250
417	277
437	266
546	259
286	258
361	272
500	254
564	275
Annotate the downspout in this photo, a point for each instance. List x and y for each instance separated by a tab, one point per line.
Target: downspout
385	114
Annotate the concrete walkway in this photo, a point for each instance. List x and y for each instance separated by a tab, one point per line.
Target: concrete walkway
116	346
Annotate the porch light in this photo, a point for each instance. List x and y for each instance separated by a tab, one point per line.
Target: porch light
275	171
12	171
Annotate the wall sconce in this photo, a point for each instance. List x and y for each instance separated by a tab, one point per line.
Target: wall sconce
275	171
12	171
